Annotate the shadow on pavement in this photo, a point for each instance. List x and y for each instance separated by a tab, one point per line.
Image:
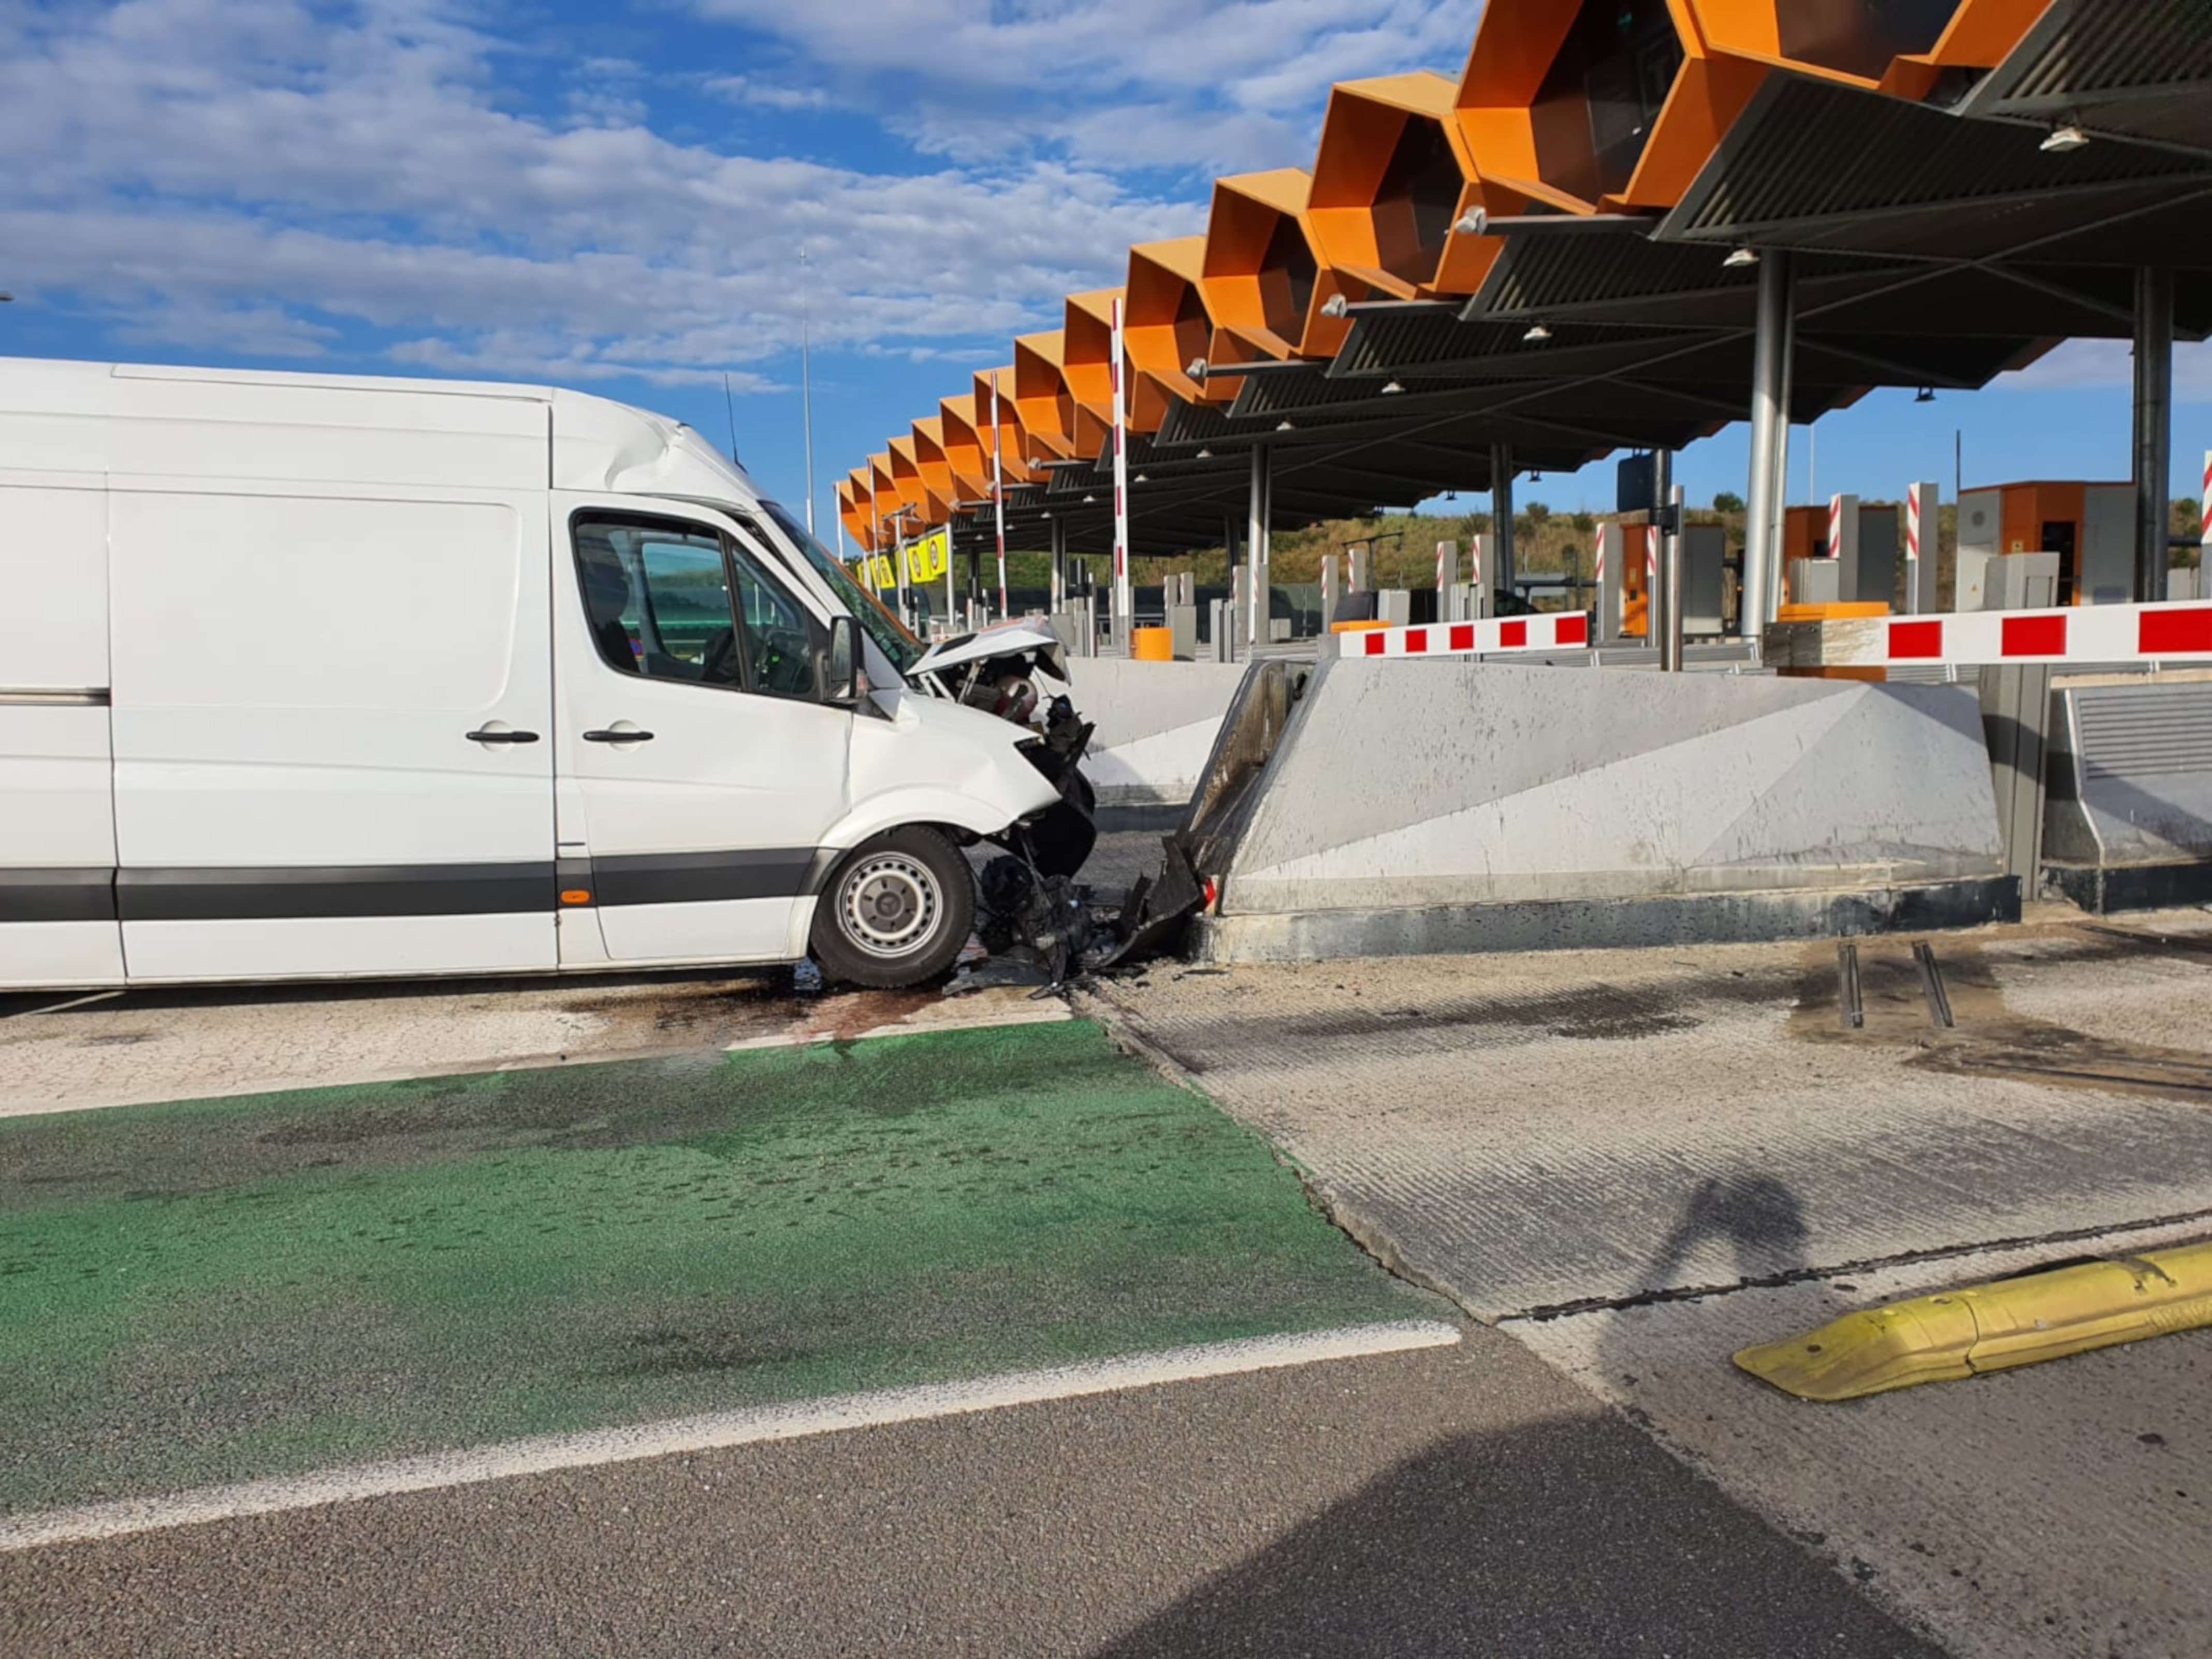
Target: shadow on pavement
1760	1220
1568	1537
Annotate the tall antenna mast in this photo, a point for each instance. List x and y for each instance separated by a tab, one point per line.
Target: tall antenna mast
806	379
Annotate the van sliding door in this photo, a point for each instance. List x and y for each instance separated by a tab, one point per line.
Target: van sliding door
56	817
333	720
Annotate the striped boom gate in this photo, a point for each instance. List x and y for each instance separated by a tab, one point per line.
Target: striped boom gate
2082	636
1494	636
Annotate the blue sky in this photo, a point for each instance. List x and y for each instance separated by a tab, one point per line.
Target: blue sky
615	195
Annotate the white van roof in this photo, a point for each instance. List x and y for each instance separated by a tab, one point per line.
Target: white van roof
168	422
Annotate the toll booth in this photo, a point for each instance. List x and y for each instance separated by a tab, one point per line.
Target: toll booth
1625	560
2090	527
1845	553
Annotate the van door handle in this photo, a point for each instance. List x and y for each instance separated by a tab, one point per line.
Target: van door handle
485	734
618	737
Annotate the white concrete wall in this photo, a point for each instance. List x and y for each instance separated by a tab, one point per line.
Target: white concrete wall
1155	721
1421	784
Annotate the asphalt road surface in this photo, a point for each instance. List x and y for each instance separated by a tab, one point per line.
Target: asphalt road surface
1465	1500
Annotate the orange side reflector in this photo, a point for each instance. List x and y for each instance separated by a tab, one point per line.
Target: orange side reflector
576	895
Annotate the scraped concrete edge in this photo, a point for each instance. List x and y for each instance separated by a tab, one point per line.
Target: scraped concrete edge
1609	924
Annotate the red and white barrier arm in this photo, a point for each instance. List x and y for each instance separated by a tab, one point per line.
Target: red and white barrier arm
1567	630
2083	634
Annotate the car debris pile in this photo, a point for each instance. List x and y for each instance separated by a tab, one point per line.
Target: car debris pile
997	671
1041	927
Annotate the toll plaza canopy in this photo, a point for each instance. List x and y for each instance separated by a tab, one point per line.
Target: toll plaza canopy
1567	251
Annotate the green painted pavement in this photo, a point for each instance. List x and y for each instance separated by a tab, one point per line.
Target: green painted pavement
218	1290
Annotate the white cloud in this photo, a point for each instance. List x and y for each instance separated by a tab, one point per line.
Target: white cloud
253	331
2088	363
1112	84
260	175
762	93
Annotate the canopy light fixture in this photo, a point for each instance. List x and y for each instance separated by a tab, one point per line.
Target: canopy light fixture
1286	427
1336	305
1205	454
1088	500
1741	257
1472	224
1393	389
1140	478
1537	335
2065	138
1925	395
1196	369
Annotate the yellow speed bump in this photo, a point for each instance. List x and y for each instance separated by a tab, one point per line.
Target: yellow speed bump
1993	1326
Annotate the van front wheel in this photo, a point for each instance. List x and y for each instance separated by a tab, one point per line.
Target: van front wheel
896	910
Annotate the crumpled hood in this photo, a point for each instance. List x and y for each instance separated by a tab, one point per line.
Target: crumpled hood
1006	639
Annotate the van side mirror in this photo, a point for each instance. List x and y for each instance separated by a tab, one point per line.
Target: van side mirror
839	679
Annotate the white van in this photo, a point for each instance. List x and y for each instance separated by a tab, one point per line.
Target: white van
309	677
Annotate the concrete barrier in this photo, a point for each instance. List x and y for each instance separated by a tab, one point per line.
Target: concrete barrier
1156	724
1447	806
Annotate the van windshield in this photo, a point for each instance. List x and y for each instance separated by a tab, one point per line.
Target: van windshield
890	635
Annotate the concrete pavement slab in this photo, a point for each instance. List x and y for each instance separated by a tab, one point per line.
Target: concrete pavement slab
1542	1130
67	1052
2046	1513
1668	1156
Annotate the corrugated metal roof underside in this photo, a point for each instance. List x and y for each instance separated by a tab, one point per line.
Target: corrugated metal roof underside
2137	67
1635	280
1826	167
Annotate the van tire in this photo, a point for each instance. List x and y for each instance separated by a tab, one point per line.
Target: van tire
896	911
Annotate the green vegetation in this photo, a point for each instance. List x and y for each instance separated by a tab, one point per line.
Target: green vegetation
1404	545
222	1290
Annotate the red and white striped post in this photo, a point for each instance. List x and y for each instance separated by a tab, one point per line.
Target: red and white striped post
1913	550
1447	567
998	494
1835	526
2204	517
1124	595
1654	601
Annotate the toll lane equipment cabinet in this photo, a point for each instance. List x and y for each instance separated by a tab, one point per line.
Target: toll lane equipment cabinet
2088	528
312	676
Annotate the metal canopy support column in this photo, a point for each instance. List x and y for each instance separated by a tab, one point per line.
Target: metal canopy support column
1058	565
1501	516
1124	611
1664	606
2154	445
1262	508
1770	445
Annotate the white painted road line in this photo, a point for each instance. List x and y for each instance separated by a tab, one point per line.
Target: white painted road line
550	1454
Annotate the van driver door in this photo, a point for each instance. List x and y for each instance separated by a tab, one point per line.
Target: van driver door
698	767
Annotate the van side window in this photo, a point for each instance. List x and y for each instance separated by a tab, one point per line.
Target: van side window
657	599
779	636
